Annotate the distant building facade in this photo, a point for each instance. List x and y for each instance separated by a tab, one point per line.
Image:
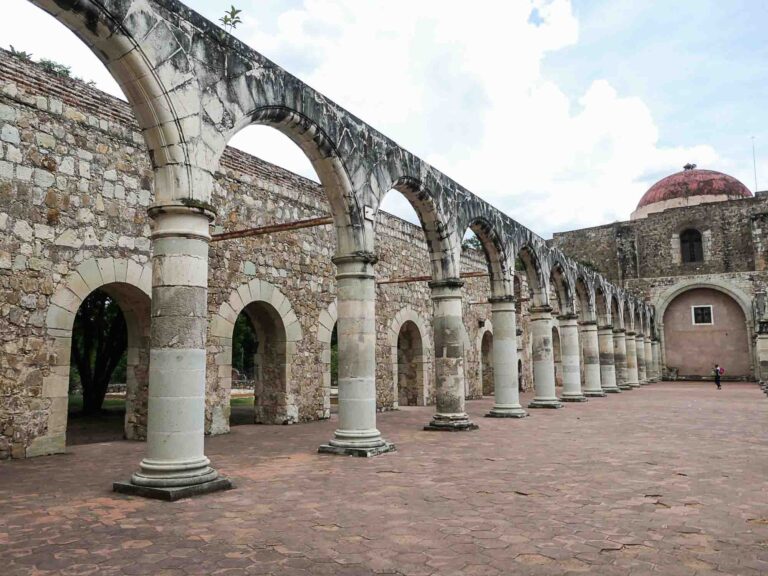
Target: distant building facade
695	247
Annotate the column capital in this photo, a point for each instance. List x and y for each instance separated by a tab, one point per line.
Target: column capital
540	309
446	283
587	323
361	257
180	220
605	327
500	299
630	333
568	316
619	331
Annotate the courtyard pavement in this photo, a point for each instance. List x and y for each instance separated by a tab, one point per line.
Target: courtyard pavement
670	479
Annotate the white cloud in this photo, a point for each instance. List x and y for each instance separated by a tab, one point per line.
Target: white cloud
462	88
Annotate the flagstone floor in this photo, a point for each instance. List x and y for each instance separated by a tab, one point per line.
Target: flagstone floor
670	479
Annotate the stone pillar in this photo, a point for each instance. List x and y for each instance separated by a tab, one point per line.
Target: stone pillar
631	343
543	359
650	367
591	349
356	330
656	352
175	465
761	355
620	358
448	328
640	346
607	369
569	350
505	390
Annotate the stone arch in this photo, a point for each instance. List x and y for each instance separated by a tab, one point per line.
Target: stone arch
617	311
486	224
629	314
409	320
585	298
484	347
602	305
130	284
562	287
352	232
157	85
662	301
557	354
325	326
222	325
537	275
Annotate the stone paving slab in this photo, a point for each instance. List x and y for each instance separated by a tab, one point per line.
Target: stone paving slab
670	479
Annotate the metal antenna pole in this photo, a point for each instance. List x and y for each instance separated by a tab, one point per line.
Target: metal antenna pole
754	162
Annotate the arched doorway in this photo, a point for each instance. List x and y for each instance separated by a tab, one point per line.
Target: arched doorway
558	356
410	372
486	363
704	326
259	354
109	366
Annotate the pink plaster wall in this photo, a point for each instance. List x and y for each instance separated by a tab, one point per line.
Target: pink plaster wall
694	349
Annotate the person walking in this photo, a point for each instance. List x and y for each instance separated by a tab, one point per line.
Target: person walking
718	372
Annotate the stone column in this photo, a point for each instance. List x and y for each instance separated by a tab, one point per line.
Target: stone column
650	367
543	359
175	465
656	352
591	349
640	346
631	343
356	330
620	358
505	391
607	369
448	328
569	350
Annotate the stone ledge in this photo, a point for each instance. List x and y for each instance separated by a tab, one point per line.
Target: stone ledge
172	493
552	404
521	414
461	426
574	399
359	452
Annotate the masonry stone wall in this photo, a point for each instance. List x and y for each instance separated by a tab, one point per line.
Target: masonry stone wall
75	184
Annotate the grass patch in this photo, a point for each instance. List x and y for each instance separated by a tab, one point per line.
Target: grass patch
112	404
241	401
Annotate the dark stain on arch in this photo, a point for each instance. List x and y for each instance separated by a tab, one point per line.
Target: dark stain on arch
91	15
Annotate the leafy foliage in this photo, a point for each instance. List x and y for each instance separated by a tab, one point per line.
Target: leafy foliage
472	242
55	68
99	343
231	19
21	54
244	347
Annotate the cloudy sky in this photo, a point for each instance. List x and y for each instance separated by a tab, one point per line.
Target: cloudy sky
559	113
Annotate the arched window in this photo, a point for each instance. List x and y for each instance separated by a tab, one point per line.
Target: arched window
690	246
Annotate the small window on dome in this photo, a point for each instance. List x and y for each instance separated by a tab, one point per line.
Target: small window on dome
690	246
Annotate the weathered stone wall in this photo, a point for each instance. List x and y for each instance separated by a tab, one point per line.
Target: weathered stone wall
75	183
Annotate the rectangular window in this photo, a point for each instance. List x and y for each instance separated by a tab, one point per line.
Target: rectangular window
701	314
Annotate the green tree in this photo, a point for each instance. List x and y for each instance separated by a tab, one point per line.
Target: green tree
99	342
244	346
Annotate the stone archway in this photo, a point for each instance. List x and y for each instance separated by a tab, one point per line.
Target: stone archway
325	334
129	283
272	315
557	354
486	363
702	326
409	351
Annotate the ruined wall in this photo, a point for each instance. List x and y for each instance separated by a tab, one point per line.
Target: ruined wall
75	183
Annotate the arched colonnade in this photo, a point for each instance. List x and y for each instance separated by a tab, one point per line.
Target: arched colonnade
192	88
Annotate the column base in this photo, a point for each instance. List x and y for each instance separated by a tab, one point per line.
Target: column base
594	393
517	412
553	403
574	398
362	452
625	387
451	423
172	493
614	390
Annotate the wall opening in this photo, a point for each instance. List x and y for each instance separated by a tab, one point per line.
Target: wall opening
557	356
259	349
486	363
410	359
693	348
691	246
109	366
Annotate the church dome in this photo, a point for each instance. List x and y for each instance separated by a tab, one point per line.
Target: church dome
689	188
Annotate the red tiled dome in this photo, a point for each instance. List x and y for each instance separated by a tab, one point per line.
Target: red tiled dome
694	182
